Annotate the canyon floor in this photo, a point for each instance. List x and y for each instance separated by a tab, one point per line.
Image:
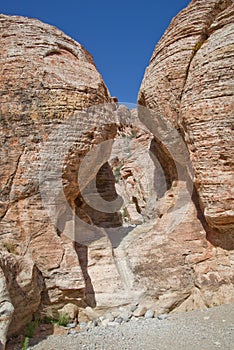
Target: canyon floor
197	330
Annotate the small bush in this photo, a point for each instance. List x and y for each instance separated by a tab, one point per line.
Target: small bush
197	46
125	213
63	319
9	247
48	320
25	344
30	329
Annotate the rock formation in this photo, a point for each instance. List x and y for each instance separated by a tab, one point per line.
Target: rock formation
45	77
165	245
6	310
194	92
189	82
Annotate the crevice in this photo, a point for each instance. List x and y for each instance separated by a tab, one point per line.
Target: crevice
204	36
82	254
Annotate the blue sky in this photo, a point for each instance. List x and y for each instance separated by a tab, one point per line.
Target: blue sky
120	35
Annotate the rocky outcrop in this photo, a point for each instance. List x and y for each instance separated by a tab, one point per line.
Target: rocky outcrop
45	77
189	81
6	310
22	288
91	222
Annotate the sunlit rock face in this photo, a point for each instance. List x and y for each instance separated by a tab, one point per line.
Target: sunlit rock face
190	81
45	77
165	244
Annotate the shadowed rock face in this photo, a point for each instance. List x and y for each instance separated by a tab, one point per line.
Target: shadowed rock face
164	254
189	81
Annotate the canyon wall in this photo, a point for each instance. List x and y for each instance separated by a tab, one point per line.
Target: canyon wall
45	77
166	244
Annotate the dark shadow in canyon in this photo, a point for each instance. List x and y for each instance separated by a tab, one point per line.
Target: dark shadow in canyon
160	156
82	254
112	223
217	239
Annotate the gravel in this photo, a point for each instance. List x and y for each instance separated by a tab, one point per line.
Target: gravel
197	330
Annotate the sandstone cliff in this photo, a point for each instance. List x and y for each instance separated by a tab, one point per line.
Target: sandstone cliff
189	81
169	247
45	77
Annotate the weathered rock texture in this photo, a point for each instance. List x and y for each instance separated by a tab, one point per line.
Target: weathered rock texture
6	309
163	251
135	169
190	82
45	77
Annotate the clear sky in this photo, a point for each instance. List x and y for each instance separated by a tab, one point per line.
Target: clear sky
120	35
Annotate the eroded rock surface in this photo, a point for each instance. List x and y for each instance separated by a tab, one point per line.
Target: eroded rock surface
189	81
167	249
45	77
6	310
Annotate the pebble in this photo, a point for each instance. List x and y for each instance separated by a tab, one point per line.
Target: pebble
149	314
217	343
119	320
162	317
72	332
83	325
71	325
113	324
133	308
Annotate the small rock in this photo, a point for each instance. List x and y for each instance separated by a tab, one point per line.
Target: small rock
71	310
140	311
119	320
105	323
113	324
126	315
163	317
71	325
109	316
72	332
133	308
90	313
149	314
95	323
83	325
217	343
134	318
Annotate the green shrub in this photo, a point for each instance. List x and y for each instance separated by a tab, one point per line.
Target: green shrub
30	329
9	247
63	319
25	344
197	46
